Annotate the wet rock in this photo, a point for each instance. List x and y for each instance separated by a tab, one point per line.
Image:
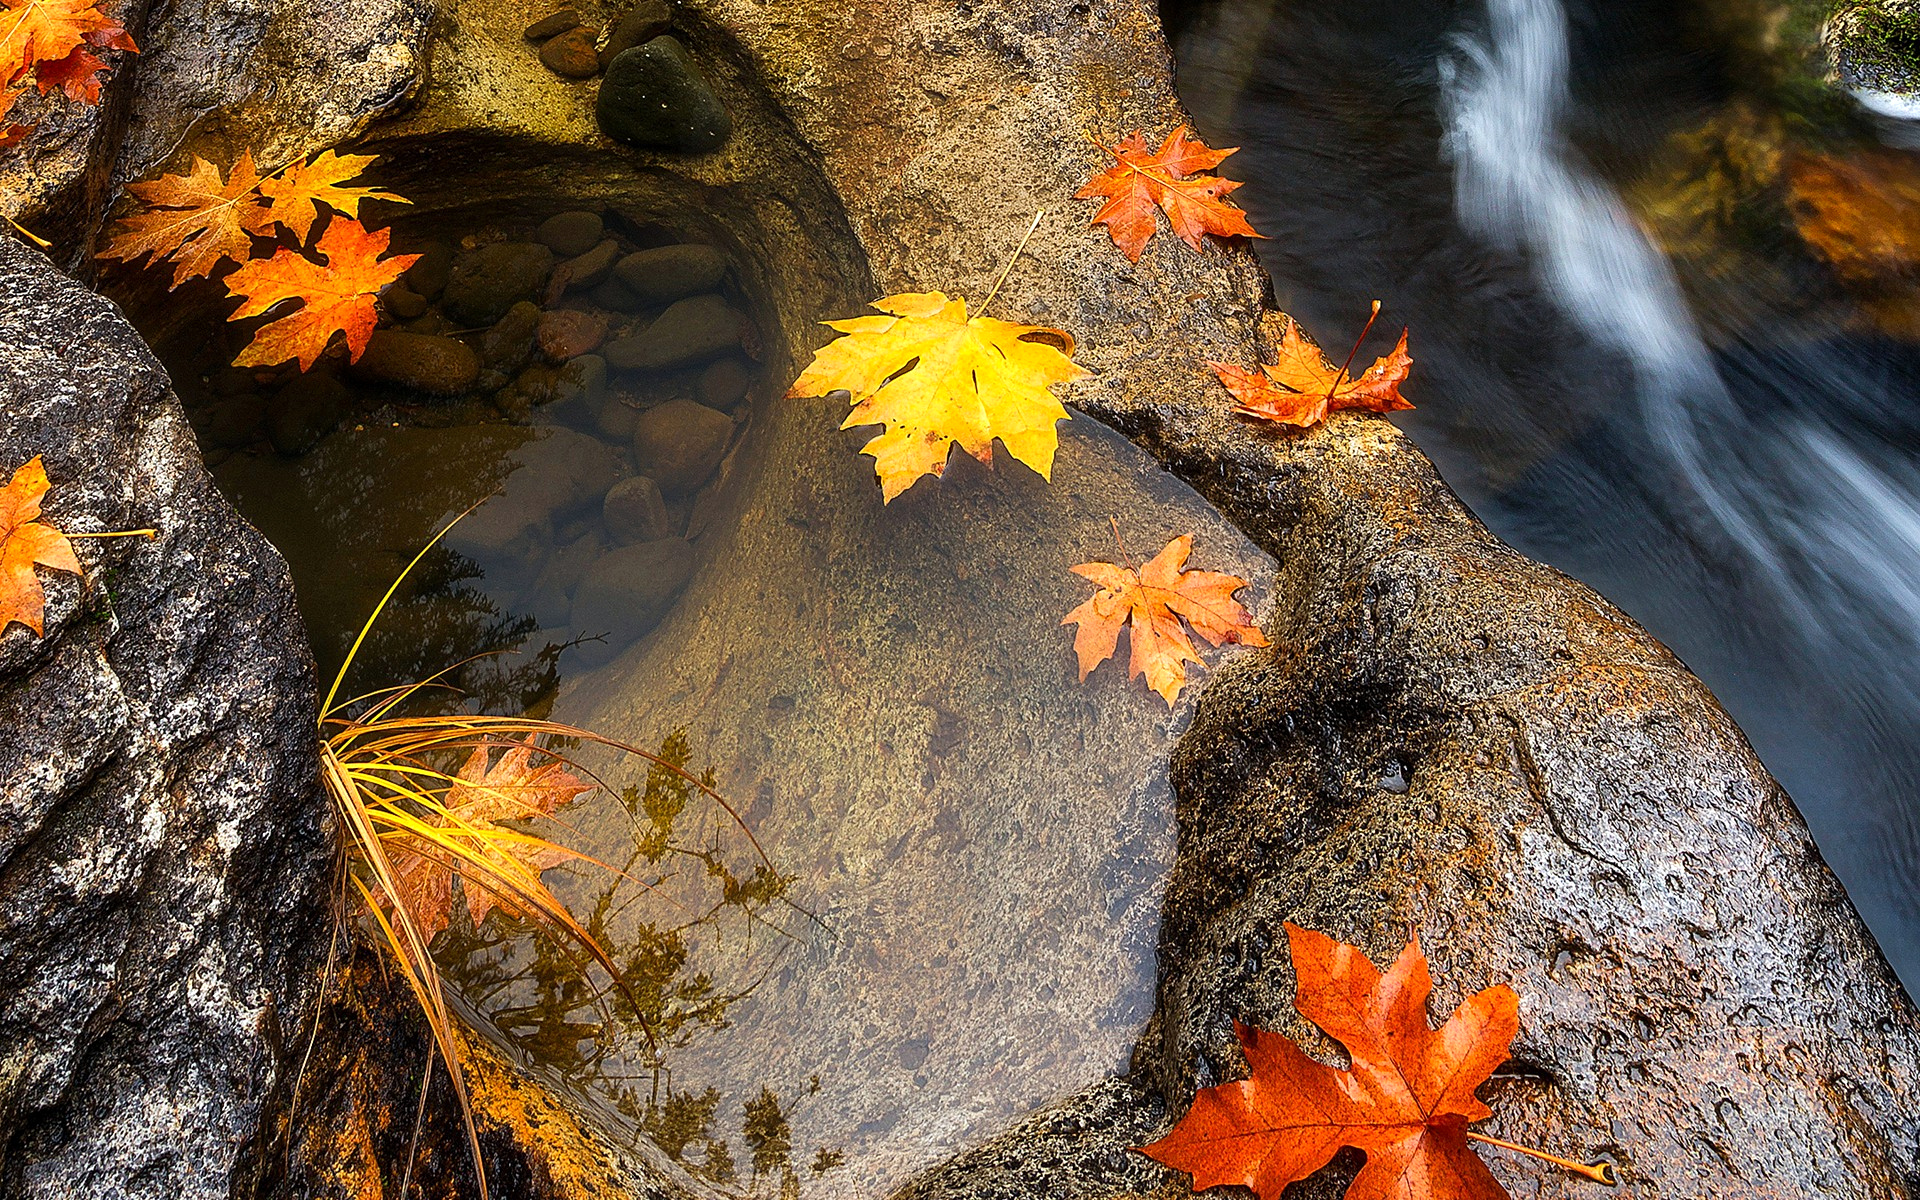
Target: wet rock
634	511
438	366
627	592
653	95
571	54
485	282
667	273
509	344
617	418
571	233
428	274
591	268
679	443
161	826
566	335
305	411
404	303
553	25
615	296
690	331
550	599
582	384
642	23
553	475
491	379
432	323
724	384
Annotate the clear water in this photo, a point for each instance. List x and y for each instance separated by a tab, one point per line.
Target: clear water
964	846
1661	283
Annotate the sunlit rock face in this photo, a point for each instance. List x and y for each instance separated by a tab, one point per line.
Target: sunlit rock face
163	889
1875	46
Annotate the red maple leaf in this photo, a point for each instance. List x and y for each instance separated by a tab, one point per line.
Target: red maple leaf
1171	180
1302	387
336	297
1406	1100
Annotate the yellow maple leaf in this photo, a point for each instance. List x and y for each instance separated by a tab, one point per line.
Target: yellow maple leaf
195	219
37	31
298	190
337	297
933	376
26	542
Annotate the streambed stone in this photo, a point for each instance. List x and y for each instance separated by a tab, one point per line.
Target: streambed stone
634	511
571	233
564	335
305	411
679	443
552	25
428	274
627	592
485	282
571	54
438	366
591	267
690	331
641	23
653	95
508	345
724	384
666	273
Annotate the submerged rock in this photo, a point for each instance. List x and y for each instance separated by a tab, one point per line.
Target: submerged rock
438	366
591	267
403	302
571	54
305	411
634	511
642	23
672	272
724	384
582	384
653	95
565	335
509	344
553	25
428	274
627	592
484	283
679	443
690	331
571	233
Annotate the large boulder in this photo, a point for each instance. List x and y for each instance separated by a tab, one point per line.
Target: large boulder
163	859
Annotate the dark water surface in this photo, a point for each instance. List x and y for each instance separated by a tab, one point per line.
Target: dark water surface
1661	283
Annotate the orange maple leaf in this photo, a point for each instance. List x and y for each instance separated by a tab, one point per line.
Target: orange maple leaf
298	190
1406	1100
508	861
195	219
44	31
1302	387
337	297
25	541
1154	600
1171	180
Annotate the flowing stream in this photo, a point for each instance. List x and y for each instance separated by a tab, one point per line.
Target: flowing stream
1653	347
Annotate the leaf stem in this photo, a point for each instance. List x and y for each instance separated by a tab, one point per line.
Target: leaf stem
30	235
145	533
1342	373
1599	1172
1008	269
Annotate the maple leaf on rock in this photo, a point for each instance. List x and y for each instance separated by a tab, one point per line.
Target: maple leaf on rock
481	796
25	541
196	219
337	297
298	191
1302	387
1153	601
1170	180
33	32
1406	1099
934	376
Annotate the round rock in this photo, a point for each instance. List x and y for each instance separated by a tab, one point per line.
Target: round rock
428	274
679	443
627	592
653	95
690	331
635	511
404	302
571	233
572	54
566	334
554	25
484	283
591	268
643	22
509	344
439	366
671	272
724	383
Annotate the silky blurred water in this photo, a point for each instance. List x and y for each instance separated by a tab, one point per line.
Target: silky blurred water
1661	288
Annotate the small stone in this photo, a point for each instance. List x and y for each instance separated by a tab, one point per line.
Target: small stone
438	366
627	592
404	302
643	22
592	268
307	410
679	444
582	383
428	274
617	419
509	344
432	323
634	511
538	383
485	282
690	331
550	599
571	233
615	296
565	335
724	384
551	26
572	54
653	95
671	272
